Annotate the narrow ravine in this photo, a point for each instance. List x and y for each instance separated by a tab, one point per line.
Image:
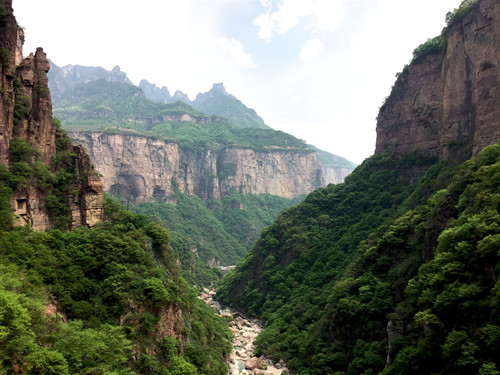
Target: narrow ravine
242	360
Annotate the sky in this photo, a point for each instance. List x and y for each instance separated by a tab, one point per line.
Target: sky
317	69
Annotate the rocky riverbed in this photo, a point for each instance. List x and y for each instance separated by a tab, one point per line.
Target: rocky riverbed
242	360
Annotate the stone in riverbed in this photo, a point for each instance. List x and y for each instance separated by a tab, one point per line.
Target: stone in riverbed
253	363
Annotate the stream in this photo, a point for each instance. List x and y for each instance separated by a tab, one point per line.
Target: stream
242	360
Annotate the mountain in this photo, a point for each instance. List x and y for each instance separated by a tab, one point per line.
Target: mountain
162	154
155	93
85	285
396	270
214	102
218	102
63	79
445	102
252	160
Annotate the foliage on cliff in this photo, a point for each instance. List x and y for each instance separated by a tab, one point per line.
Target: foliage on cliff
115	106
377	275
128	310
438	43
120	107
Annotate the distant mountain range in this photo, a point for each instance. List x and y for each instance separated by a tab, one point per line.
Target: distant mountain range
96	98
214	102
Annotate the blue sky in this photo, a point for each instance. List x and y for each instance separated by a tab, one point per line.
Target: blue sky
317	69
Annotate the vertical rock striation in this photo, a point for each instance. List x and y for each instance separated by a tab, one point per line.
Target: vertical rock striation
146	169
447	103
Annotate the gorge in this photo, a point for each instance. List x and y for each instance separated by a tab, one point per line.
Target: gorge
393	271
388	273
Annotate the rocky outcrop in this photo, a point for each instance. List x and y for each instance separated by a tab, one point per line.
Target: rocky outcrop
333	175
31	87
26	116
447	103
155	93
147	169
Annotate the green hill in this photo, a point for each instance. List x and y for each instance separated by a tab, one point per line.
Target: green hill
377	275
218	102
105	300
118	106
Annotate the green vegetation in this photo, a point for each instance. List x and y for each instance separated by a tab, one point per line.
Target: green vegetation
120	289
379	276
438	43
194	270
244	216
218	102
458	13
198	224
431	46
118	107
222	233
4	52
25	169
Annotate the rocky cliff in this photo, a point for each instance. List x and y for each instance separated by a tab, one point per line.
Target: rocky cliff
145	169
447	102
26	121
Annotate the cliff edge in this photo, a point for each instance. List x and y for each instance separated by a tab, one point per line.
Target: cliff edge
446	102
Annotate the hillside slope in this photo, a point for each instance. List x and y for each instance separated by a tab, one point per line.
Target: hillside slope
86	287
396	270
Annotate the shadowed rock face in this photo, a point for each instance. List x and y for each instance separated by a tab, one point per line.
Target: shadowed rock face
146	169
448	103
26	114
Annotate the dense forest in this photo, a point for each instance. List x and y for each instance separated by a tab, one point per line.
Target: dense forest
378	273
105	300
395	271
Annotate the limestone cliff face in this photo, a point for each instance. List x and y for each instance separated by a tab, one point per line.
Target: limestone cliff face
26	115
448	103
333	175
145	169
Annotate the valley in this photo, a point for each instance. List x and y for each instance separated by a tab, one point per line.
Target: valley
148	233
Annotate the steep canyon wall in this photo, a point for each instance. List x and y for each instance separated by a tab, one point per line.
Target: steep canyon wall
447	103
146	169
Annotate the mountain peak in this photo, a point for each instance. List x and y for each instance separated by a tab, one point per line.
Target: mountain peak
219	87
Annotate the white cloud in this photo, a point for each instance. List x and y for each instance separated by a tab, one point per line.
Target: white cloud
290	14
329	14
326	13
266	26
234	50
311	49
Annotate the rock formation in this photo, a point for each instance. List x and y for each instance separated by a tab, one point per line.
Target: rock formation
447	103
26	116
147	169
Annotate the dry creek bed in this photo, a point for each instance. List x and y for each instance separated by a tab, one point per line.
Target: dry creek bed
242	360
